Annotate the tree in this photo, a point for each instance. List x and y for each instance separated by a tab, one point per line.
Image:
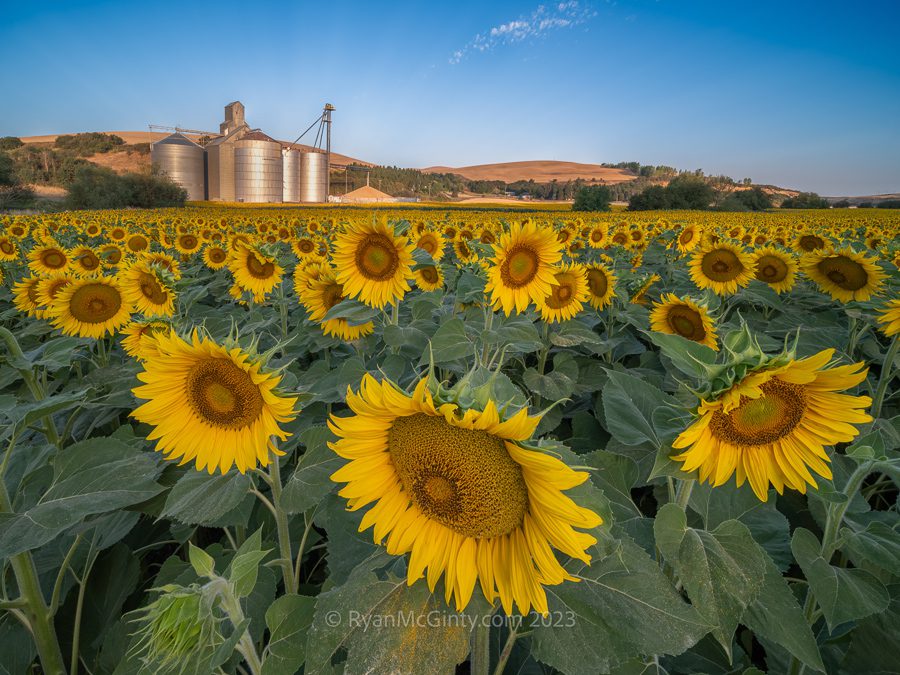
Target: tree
842	204
805	200
689	192
592	198
654	198
746	200
7	170
889	204
10	143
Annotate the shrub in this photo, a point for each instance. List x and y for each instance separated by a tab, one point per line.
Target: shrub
805	200
10	143
85	145
96	187
593	198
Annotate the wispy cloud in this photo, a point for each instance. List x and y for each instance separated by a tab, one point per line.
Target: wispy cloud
543	19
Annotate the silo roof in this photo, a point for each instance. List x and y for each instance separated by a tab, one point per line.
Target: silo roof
176	139
257	135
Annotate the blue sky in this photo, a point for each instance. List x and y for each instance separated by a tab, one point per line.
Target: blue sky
800	94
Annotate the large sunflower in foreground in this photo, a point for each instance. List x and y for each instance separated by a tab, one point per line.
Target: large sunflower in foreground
90	308
772	426
373	264
522	270
459	492
774	267
48	259
211	405
684	317
844	274
567	296
722	267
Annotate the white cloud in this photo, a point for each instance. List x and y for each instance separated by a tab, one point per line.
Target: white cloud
543	19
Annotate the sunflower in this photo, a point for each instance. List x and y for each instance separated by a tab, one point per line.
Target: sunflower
688	238
163	261
373	264
321	293
9	250
118	233
639	297
215	257
137	243
85	262
774	267
808	241
464	252
187	243
49	286
26	298
601	285
255	272
90	308
723	268
19	230
844	274
304	247
139	338
773	425
567	296
48	259
598	236
522	269
144	288
433	244
890	318
459	492
211	404
620	236
682	316
429	277
110	255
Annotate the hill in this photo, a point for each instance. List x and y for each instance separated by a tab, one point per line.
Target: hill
540	171
141	161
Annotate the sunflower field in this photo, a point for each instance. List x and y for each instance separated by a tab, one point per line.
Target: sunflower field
269	441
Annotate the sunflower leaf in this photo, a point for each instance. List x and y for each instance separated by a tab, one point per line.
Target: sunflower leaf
623	606
721	570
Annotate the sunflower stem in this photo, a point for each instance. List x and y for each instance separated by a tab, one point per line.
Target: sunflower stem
284	531
232	607
481	649
507	650
683	494
395	313
35	609
18	358
884	379
833	519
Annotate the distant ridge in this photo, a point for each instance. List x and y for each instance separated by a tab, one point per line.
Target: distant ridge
540	171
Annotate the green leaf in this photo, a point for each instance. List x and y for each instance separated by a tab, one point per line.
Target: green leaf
843	594
288	620
689	357
25	414
775	615
94	476
450	342
878	544
354	311
201	561
868	652
721	570
615	476
385	626
311	480
628	404
623	606
201	499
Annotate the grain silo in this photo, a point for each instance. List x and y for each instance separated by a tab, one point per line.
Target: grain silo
183	161
258	169
291	164
313	177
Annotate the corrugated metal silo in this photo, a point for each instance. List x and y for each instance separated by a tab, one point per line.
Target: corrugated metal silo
291	162
313	177
184	162
258	169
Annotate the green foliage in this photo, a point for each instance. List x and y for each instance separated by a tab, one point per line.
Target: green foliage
684	192
99	188
10	143
753	199
593	198
85	145
805	200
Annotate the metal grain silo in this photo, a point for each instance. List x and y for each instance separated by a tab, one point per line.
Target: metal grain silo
313	177
291	163
184	162
258	169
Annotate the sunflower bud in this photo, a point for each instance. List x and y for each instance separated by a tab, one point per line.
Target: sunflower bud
179	631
